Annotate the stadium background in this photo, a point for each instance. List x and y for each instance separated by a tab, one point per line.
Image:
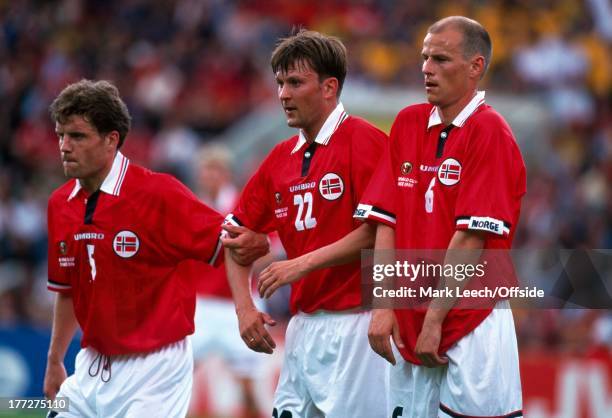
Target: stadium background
194	71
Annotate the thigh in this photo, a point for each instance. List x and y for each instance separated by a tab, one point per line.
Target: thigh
80	388
483	374
292	399
78	406
290	404
414	391
345	378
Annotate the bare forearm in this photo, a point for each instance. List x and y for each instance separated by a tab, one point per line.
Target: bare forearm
238	279
343	251
464	248
385	237
384	255
64	328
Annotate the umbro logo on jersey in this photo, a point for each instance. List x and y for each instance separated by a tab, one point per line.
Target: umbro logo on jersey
302	186
126	244
88	235
429	168
331	186
449	172
406	167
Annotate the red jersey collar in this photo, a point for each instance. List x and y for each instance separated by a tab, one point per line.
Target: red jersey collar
113	181
334	120
434	116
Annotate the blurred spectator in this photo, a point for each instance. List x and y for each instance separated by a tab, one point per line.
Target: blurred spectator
216	323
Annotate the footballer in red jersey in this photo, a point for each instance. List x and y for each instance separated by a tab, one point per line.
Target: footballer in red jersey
103	245
122	244
306	190
452	177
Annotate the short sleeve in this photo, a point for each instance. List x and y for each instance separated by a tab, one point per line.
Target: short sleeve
190	229
492	181
378	202
253	208
58	279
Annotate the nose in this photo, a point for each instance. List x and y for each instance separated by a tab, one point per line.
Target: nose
283	92
64	144
427	67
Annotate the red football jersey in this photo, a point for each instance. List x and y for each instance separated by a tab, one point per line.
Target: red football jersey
308	193
434	180
126	254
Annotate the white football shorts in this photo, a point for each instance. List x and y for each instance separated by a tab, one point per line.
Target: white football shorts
482	377
156	384
329	370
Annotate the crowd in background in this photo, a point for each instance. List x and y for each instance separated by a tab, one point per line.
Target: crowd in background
189	69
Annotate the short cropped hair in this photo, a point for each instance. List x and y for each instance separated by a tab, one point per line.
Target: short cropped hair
98	102
326	55
476	39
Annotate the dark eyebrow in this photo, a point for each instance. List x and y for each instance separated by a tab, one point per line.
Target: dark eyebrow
74	134
436	56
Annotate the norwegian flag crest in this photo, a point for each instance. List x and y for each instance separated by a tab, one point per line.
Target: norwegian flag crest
331	186
449	172
126	244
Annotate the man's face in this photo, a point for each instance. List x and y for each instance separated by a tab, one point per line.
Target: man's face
86	154
301	95
446	71
212	176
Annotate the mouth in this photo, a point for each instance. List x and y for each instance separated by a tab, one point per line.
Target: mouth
430	85
289	109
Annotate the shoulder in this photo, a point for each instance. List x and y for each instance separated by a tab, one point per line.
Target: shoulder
355	124
488	124
488	119
281	150
410	122
142	181
286	145
61	193
416	112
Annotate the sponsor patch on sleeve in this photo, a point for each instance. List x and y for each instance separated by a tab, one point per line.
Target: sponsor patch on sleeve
364	212
484	223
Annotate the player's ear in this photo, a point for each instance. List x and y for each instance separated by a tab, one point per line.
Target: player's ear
112	139
477	67
330	87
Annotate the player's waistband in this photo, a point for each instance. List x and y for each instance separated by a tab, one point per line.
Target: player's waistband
322	312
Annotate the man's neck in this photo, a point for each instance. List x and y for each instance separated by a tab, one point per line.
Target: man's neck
311	132
90	185
449	113
95	181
